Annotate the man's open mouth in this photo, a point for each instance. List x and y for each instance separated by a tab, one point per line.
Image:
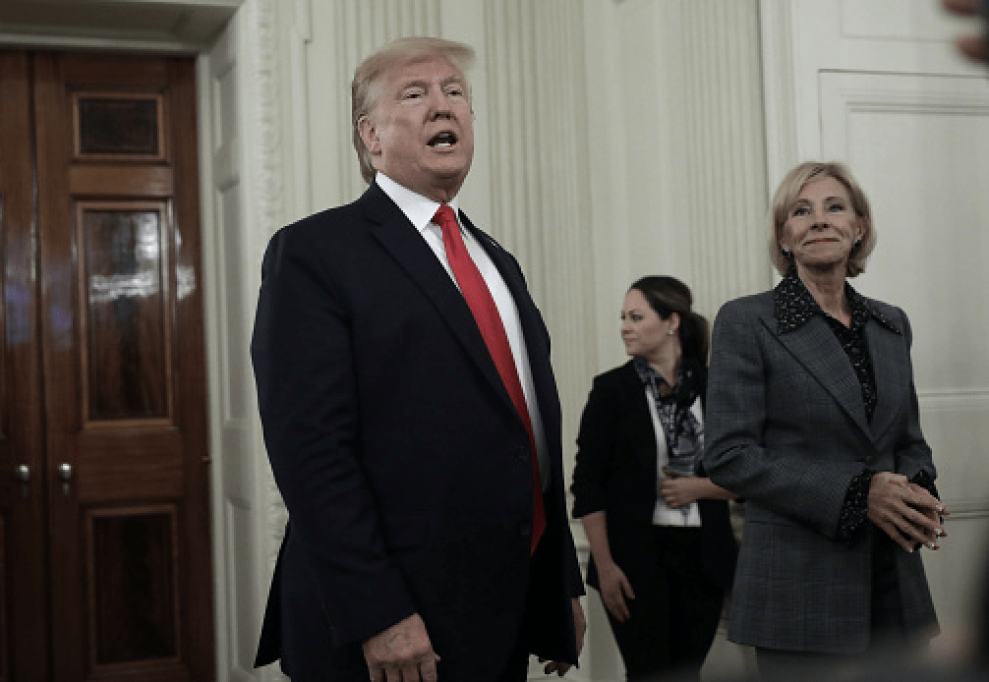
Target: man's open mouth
444	139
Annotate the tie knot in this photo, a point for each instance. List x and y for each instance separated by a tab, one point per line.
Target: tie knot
445	219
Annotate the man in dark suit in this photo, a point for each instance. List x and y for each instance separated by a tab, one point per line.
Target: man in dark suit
411	416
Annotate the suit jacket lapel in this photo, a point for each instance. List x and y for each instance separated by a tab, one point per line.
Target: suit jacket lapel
390	227
532	331
816	347
892	371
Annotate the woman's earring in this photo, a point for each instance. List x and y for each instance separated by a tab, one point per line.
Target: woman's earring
671	332
857	243
787	253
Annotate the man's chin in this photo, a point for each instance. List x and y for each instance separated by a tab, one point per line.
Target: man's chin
450	176
450	168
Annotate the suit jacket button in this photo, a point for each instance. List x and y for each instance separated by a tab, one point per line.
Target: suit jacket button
522	452
525	529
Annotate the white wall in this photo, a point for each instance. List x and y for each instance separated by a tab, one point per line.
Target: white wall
616	138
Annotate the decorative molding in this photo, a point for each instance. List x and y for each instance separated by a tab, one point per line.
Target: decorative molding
845	94
956	400
920	102
267	168
968	509
264	204
74	42
265	200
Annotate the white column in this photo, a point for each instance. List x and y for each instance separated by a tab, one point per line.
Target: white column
726	155
539	189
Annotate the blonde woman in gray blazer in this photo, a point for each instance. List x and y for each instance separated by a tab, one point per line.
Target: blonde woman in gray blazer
812	418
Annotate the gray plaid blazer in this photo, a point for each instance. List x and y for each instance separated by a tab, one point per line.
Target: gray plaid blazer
787	430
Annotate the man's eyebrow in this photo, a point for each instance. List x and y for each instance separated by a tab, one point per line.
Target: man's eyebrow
414	83
420	83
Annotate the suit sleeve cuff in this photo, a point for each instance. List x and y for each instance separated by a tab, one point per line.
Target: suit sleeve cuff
925	480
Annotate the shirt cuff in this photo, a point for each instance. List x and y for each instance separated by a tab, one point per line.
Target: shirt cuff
855	509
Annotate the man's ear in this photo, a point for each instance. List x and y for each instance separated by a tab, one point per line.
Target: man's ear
369	134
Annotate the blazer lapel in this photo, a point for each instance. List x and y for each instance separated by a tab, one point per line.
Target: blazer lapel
815	346
398	236
892	371
642	430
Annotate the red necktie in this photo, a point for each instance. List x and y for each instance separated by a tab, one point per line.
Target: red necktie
488	320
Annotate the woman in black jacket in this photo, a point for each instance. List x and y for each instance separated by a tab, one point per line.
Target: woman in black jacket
662	548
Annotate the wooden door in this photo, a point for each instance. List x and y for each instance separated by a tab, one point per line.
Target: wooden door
124	466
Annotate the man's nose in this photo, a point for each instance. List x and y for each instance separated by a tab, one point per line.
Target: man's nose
439	104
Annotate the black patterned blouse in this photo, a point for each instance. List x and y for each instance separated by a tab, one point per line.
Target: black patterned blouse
795	306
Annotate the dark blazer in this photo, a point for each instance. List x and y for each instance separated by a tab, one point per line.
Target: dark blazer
401	459
616	473
786	429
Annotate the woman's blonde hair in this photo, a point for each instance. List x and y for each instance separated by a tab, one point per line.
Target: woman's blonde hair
367	77
786	195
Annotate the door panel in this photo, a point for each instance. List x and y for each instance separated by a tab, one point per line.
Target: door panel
24	651
120	461
134	612
125	326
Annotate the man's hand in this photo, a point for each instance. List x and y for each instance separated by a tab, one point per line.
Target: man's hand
579	626
905	511
402	653
972	45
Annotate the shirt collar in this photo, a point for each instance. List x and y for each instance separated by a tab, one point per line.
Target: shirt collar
795	306
417	208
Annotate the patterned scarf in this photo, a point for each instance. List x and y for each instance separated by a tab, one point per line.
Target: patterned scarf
683	432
